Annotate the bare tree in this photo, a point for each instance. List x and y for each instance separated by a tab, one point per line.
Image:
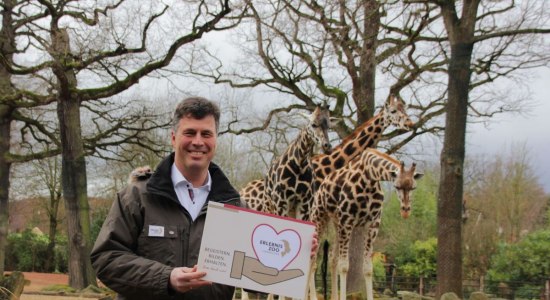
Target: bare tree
504	202
332	51
76	41
10	100
501	25
329	52
45	186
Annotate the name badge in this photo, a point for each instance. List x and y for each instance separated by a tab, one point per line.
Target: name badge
155	230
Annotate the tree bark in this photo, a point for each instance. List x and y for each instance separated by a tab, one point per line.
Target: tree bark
7	41
73	168
450	197
75	194
5	165
50	265
363	94
449	208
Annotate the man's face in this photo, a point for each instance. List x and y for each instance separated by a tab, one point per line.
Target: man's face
194	144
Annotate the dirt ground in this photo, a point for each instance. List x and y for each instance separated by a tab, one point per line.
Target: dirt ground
40	280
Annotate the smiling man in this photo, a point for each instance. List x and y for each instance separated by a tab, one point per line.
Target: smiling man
149	243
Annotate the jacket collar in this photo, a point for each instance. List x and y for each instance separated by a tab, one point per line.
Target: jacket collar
161	184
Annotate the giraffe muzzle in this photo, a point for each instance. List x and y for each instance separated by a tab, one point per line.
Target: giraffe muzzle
405	212
327	148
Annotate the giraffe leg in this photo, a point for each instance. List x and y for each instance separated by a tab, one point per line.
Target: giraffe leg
344	236
311	278
318	218
244	295
368	272
333	258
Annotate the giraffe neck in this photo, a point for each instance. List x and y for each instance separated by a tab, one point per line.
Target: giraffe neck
301	148
365	136
376	165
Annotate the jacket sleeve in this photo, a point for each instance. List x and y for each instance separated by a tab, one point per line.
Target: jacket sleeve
114	254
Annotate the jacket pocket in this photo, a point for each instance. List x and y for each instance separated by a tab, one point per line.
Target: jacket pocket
160	243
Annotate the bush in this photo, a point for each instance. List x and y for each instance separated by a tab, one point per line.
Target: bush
527	260
27	252
422	262
98	217
523	262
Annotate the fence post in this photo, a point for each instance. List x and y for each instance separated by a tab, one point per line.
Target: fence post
421	286
547	290
481	283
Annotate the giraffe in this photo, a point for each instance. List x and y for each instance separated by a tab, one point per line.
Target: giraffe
352	197
253	193
288	178
365	136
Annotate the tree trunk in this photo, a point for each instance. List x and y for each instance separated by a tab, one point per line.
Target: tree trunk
364	98
50	265
449	208
73	165
5	165
450	197
74	184
7	42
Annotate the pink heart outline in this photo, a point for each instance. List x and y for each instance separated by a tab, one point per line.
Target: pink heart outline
277	233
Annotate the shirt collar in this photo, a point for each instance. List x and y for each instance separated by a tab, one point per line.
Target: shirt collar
178	178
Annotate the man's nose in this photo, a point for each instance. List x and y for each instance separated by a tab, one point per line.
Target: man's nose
197	139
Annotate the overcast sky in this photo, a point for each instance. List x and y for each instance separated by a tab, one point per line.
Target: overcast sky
533	130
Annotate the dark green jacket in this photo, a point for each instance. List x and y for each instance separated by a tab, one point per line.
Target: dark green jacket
136	265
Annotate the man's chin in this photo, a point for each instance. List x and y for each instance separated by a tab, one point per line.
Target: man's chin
197	166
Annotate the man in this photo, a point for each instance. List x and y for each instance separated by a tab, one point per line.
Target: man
149	244
155	225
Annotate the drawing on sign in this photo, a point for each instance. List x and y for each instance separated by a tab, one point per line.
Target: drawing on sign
254	270
275	249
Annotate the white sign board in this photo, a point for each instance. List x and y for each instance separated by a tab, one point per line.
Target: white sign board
256	251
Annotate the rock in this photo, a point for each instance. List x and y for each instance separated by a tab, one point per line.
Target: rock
449	296
478	296
409	295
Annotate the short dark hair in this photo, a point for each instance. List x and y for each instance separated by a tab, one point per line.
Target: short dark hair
196	107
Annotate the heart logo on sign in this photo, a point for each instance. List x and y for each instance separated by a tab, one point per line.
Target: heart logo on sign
275	249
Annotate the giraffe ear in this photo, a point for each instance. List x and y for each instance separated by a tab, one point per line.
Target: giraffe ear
394	174
305	115
418	175
334	121
390	100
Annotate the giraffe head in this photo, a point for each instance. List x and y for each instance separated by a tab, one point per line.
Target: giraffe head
396	114
404	181
318	125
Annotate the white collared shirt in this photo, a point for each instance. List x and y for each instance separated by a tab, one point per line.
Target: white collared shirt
182	187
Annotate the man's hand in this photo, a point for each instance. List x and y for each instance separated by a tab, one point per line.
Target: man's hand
315	244
185	279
